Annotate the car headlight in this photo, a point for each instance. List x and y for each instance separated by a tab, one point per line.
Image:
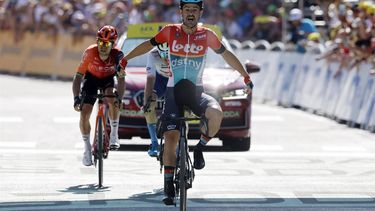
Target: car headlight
234	93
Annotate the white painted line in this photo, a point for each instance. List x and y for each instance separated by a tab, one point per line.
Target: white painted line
289	154
66	119
216	154
345	197
344	148
58	152
273	118
257	147
11	119
17	144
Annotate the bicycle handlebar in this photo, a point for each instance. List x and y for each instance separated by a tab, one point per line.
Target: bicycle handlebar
99	96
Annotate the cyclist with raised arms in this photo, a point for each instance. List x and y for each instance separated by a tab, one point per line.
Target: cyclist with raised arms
98	67
157	77
188	43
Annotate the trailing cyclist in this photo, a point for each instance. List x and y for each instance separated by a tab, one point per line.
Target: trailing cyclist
157	77
98	67
188	44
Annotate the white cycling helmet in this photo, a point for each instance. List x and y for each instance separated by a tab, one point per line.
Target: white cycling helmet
163	50
295	14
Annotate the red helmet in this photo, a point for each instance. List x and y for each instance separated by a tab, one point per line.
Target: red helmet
107	33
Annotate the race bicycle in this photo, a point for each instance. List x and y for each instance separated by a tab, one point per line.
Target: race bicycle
184	172
100	145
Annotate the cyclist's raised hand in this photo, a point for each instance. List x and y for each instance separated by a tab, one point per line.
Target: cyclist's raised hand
249	84
77	103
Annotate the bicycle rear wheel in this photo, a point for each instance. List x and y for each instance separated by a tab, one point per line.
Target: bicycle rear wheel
182	176
99	145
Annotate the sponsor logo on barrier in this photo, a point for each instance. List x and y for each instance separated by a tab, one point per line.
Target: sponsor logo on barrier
40	52
8	49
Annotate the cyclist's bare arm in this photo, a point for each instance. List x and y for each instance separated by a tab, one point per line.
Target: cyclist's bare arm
121	83
77	84
141	49
233	61
149	88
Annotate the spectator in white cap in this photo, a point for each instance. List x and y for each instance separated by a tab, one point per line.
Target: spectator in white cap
300	28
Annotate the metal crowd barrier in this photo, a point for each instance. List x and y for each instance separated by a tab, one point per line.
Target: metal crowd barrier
298	80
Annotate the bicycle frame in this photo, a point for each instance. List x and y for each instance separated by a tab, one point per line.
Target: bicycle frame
101	116
100	145
184	173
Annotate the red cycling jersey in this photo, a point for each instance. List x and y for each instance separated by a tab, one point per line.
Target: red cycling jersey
187	52
92	63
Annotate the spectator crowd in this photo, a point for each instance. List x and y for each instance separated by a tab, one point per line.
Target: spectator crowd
347	33
350	34
236	18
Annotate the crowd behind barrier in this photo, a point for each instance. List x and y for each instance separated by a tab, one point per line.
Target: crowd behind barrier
298	80
288	78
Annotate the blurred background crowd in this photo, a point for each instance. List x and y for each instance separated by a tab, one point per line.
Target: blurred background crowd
237	18
343	29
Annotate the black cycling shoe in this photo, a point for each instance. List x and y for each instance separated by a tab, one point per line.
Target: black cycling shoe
168	201
198	159
169	193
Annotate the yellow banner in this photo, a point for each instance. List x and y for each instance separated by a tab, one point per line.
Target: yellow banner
39	54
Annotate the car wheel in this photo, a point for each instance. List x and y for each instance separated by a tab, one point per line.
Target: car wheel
237	144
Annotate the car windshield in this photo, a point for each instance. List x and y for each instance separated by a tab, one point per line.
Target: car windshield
213	60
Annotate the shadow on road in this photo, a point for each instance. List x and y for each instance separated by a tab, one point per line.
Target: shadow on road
133	147
151	201
85	189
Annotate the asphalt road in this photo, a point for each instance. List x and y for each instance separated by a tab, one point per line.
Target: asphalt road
297	161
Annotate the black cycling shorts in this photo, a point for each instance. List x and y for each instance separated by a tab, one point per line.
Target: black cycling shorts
92	84
184	94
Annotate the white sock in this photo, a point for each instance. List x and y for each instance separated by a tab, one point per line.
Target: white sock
86	140
114	127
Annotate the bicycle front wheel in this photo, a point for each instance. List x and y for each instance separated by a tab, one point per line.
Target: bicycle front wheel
182	176
99	151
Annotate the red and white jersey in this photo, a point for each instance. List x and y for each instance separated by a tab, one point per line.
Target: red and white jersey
92	63
187	52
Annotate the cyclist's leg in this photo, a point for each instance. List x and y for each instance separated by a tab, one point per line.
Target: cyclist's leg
89	88
114	113
151	119
171	136
211	109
